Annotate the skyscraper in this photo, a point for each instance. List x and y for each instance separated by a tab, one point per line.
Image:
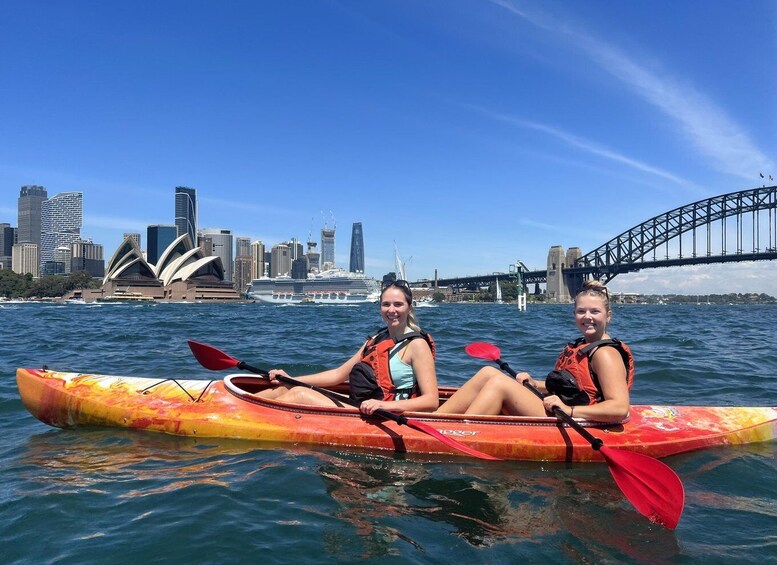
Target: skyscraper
87	256
61	221
327	249
31	198
25	259
242	247
158	238
242	263
186	213
257	260
7	241
357	249
280	264
222	246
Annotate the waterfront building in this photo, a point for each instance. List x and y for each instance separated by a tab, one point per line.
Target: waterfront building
222	245
25	258
242	263
280	264
88	256
242	273
31	198
61	221
186	212
257	260
327	249
182	273
60	265
7	241
158	238
357	249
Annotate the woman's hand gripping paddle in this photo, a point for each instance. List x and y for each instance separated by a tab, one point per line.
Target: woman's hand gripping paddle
216	360
652	487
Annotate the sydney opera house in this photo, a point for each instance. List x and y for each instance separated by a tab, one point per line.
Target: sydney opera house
182	273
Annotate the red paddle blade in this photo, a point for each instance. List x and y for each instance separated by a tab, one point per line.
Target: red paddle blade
651	486
210	357
483	350
421	427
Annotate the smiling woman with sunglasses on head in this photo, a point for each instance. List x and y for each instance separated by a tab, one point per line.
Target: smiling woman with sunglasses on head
393	370
591	379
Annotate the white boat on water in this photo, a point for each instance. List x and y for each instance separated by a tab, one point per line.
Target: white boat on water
334	286
498	293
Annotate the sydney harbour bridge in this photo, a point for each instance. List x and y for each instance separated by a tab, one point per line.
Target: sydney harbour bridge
735	227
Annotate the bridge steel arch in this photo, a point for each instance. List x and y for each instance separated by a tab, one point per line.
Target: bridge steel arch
629	251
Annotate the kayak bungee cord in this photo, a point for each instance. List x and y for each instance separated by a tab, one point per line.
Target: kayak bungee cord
145	390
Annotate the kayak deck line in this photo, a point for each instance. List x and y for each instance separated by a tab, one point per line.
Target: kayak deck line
229	408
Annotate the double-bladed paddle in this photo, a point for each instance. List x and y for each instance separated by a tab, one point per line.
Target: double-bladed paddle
216	360
652	487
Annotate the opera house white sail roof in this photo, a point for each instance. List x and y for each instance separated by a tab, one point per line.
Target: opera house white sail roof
180	261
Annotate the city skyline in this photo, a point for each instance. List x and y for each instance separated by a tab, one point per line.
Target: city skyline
471	135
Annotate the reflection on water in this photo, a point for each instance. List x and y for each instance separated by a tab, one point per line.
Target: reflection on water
488	505
64	462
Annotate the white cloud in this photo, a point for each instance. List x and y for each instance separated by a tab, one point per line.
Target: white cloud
707	127
594	148
754	276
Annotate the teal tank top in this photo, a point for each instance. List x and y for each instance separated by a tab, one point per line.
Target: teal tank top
401	373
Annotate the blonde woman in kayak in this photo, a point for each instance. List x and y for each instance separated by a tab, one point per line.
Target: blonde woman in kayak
591	379
393	370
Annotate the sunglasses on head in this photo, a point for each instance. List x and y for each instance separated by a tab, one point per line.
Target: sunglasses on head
600	289
399	282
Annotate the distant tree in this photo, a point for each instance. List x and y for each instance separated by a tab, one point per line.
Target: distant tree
14	285
438	297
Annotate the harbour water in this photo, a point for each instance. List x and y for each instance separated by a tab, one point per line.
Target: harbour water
118	496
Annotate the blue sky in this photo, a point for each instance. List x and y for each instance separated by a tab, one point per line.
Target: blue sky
471	133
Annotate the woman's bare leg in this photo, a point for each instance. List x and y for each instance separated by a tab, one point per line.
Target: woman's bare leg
273	393
462	398
303	395
504	393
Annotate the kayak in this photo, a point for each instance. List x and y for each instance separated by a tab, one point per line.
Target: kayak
229	408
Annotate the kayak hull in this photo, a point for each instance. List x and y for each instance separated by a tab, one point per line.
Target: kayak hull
229	409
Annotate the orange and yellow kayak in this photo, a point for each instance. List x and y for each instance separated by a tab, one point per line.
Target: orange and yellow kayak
229	408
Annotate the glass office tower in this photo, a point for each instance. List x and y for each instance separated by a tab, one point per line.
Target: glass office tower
186	212
357	249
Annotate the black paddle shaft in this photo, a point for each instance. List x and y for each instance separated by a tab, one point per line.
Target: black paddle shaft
380	413
595	442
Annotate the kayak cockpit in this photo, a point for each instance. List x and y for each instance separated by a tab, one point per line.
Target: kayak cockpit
246	387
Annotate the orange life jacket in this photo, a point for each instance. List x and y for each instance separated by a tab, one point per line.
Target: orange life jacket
376	355
576	359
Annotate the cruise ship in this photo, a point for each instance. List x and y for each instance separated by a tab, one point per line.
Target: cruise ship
334	286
